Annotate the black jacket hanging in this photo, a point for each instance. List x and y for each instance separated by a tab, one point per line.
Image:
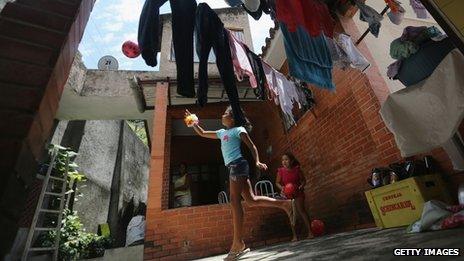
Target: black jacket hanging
210	34
183	21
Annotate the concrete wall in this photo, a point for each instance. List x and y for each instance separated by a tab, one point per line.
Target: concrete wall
380	47
97	159
100	95
233	18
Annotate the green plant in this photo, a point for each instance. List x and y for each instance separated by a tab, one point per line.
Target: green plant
75	242
60	167
138	127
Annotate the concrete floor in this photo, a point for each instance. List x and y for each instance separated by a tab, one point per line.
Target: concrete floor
365	244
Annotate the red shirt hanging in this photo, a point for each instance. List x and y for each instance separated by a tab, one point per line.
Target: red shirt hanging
313	15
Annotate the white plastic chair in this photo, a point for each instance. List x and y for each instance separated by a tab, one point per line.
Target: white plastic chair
222	198
265	188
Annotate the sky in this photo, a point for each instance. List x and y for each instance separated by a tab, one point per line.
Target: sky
113	22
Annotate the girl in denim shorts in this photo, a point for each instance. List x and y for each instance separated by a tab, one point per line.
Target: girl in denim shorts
240	186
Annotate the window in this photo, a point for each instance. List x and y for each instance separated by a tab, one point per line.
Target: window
196	59
212	57
238	34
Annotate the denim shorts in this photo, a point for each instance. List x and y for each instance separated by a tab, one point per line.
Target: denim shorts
238	168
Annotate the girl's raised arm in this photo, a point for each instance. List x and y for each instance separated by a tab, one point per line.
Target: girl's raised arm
200	131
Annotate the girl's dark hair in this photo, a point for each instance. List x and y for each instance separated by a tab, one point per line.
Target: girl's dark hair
247	124
183	163
293	161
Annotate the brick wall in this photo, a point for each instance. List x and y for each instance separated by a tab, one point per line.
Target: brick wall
39	41
338	145
206	230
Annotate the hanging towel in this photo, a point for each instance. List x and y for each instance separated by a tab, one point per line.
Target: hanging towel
312	15
369	15
240	60
308	57
426	115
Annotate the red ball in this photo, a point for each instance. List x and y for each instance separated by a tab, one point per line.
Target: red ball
130	49
317	227
289	190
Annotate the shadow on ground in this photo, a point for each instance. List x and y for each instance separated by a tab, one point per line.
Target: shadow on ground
365	244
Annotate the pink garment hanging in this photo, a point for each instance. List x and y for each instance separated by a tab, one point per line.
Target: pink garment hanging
284	91
313	15
240	60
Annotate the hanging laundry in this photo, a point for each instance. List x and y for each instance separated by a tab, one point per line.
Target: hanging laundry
251	5
339	57
393	69
355	57
287	95
148	32
312	15
421	34
423	63
183	20
308	57
283	91
396	14
410	42
369	15
266	6
258	71
211	34
402	49
240	60
427	115
271	82
419	9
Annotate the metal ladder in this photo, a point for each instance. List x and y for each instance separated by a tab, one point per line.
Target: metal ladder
39	209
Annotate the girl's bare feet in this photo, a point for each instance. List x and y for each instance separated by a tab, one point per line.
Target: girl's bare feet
310	236
237	247
294	239
236	252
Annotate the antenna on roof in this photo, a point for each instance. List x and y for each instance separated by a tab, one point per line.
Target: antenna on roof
108	63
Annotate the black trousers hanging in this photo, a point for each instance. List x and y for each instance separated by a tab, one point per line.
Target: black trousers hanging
210	34
258	71
183	22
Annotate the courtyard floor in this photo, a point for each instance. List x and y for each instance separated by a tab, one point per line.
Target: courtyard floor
365	244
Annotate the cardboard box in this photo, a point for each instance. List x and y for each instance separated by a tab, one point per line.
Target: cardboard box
401	203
